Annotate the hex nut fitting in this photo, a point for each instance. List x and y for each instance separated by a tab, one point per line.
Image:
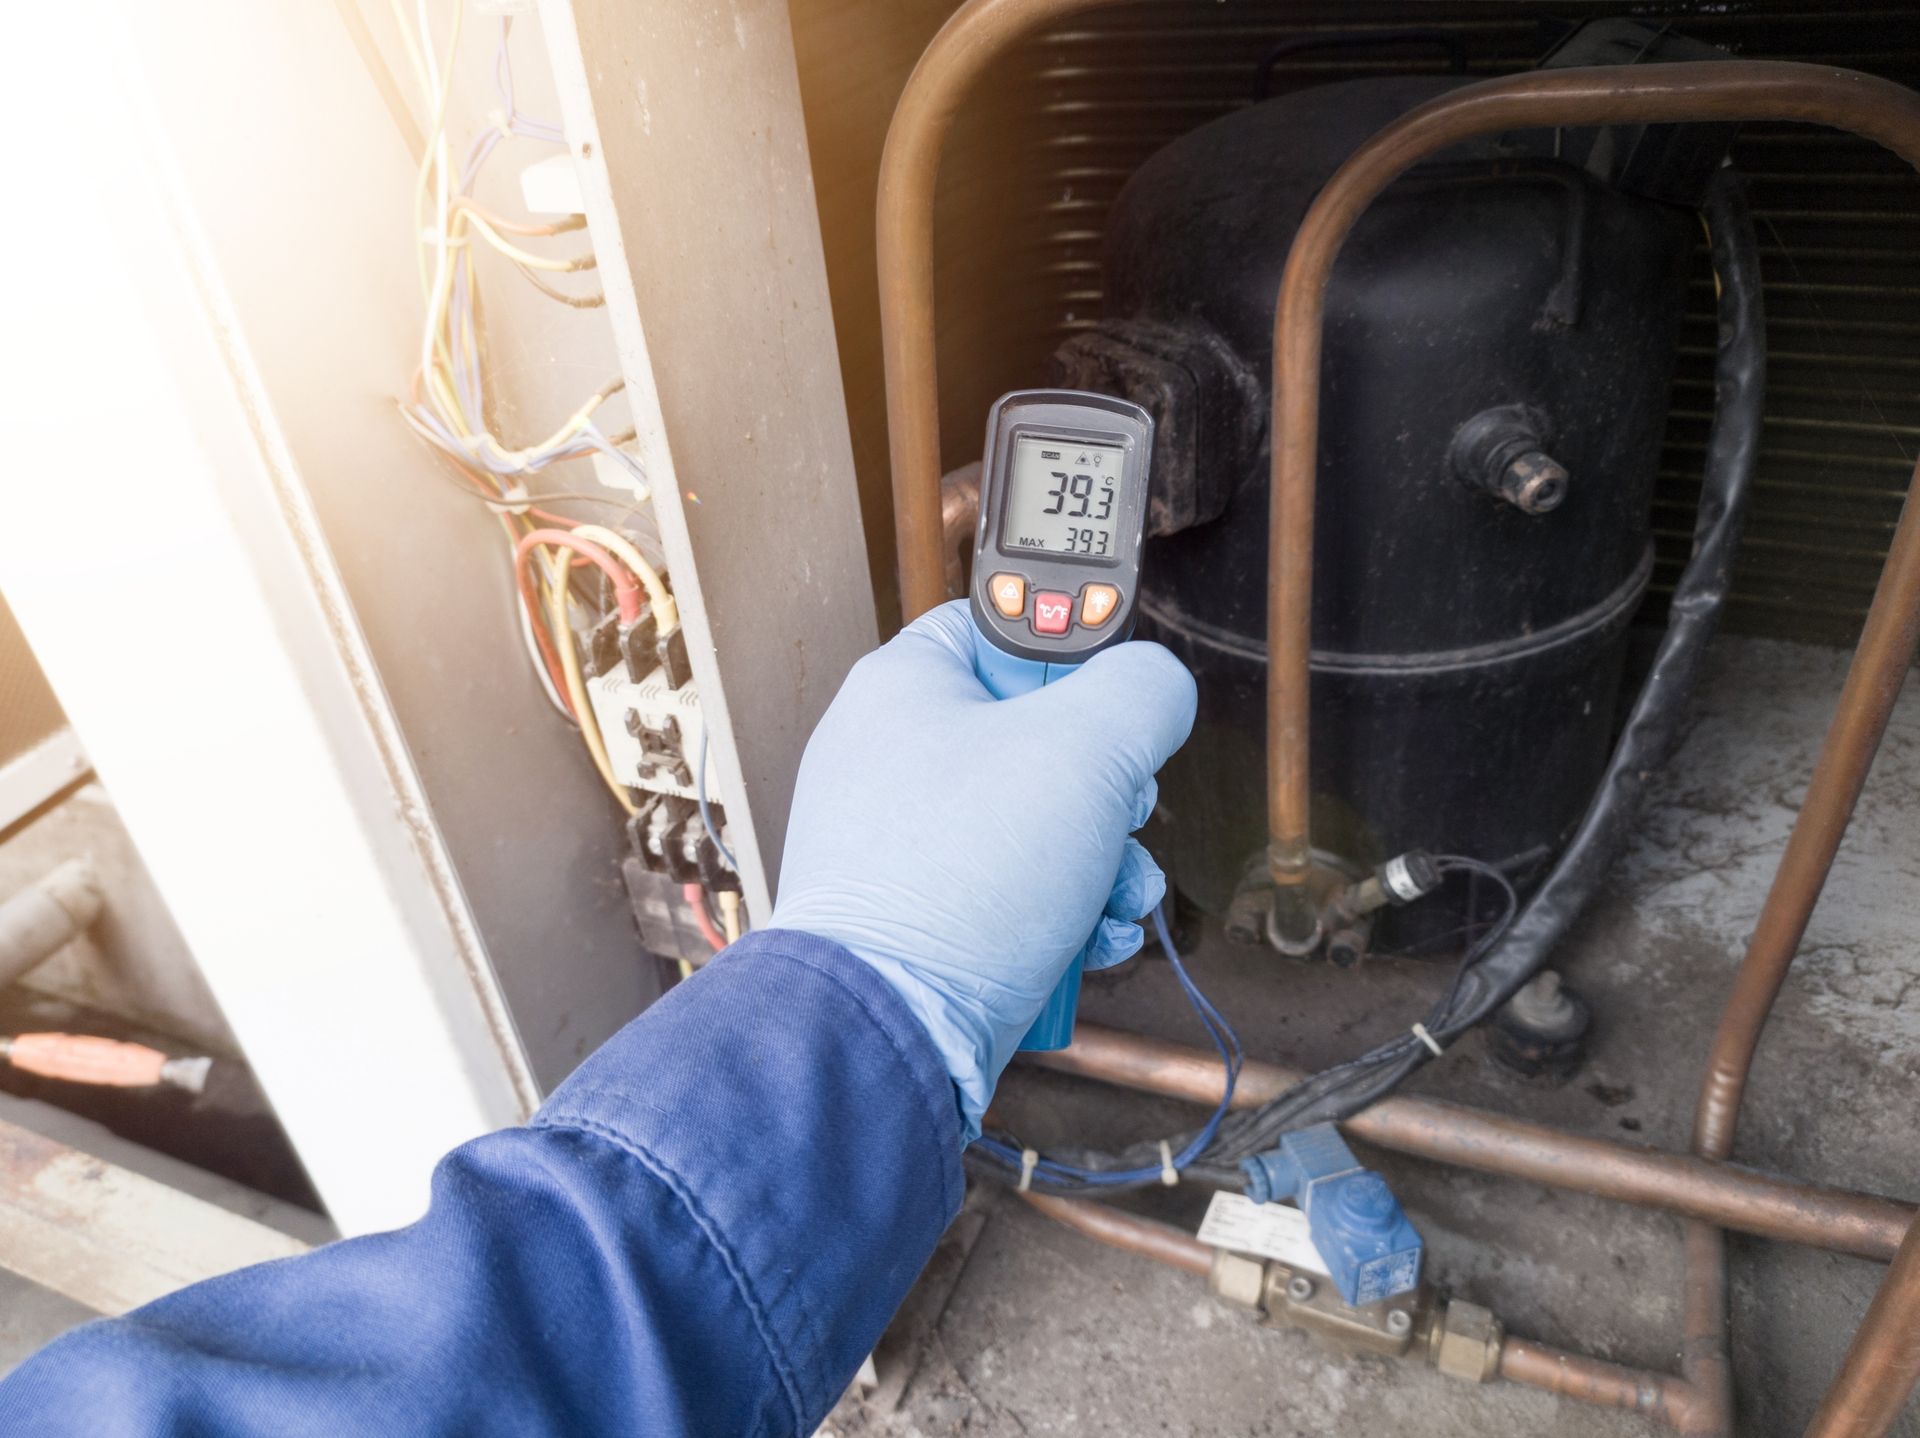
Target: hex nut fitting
1534	483
1504	451
1238	1280
1466	1342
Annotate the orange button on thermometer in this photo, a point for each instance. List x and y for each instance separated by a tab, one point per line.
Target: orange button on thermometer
1097	603
1009	593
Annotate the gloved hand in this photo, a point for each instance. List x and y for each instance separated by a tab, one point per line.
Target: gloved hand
967	847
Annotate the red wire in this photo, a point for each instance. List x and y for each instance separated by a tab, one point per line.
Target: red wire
626	589
542	635
697	898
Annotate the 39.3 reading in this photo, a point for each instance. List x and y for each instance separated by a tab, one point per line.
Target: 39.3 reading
1073	497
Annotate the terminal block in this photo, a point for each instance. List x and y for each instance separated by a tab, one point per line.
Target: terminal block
1370	1249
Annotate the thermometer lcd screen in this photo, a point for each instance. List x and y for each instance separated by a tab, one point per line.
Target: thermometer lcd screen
1063	498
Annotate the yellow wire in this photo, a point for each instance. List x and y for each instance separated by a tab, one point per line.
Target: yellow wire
434	158
574	423
562	629
666	613
470	220
405	25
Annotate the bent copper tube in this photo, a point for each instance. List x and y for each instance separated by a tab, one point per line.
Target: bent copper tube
1763	1204
1883	1361
1605	1385
1586	1380
1737	90
1697	91
976	35
1161	1242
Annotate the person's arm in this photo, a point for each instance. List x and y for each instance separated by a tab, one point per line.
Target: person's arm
704	1231
708	1225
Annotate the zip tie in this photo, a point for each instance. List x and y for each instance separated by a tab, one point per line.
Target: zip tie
1169	1175
1028	1158
1420	1032
512	501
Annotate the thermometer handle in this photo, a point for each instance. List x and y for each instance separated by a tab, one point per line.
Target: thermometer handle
1007	675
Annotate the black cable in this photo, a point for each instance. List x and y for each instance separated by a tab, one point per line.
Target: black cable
1502	960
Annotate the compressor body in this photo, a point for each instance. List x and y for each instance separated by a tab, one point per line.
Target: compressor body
1501	331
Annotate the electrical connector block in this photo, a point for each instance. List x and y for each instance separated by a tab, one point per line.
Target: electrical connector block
1370	1249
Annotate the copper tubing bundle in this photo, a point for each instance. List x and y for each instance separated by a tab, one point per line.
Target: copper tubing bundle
1762	1204
1884	1362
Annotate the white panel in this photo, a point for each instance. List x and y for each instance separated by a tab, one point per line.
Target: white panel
160	554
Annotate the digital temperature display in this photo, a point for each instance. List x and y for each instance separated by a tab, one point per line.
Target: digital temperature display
1063	498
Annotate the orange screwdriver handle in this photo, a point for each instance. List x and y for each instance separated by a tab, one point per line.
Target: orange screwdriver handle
82	1058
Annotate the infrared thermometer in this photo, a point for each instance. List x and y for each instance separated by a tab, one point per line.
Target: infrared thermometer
1056	560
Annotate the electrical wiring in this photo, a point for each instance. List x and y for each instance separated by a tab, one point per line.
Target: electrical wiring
449	406
446	402
472	216
592	301
1164	1158
1213	1152
576	685
547	685
516	227
706	811
626	590
696	898
666	614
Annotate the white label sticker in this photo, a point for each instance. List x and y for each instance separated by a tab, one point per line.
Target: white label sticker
1269	1230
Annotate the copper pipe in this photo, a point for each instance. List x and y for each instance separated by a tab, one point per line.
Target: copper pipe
1161	1242
1586	1380
983	30
1703	1325
1737	90
1604	1385
1749	1200
1880	664
1698	91
974	37
1883	1361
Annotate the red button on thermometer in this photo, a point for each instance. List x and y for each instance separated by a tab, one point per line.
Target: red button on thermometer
1056	559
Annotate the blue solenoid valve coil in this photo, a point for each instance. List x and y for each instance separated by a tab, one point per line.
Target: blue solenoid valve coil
1357	1226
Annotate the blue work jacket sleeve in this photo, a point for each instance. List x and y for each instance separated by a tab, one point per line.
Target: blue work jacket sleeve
703	1231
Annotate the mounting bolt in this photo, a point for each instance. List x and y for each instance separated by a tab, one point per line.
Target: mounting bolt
1299	1288
1541	1032
1399	1322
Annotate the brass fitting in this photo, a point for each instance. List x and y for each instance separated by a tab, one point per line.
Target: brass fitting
1392	1327
1465	1342
1237	1279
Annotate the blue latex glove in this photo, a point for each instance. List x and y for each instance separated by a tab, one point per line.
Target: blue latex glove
966	847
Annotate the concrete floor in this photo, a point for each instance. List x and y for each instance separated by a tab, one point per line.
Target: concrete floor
1048	1332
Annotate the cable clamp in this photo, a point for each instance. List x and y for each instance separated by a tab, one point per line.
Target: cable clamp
1028	1158
515	500
1420	1032
1169	1175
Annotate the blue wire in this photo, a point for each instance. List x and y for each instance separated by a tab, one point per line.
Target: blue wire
706	814
1232	1056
